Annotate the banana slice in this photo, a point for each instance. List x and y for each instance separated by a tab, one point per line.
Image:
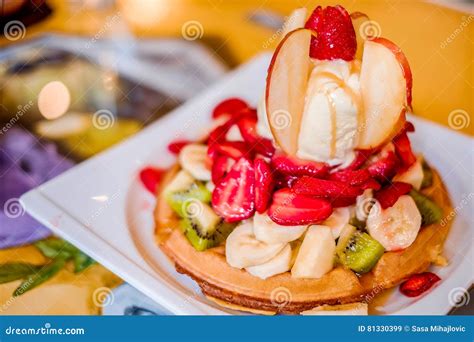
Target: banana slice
193	158
414	175
280	263
270	232
395	227
338	219
352	309
243	250
316	255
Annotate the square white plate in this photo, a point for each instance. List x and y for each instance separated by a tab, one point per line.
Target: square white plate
100	206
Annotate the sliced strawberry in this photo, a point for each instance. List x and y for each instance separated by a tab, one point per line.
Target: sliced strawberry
370	184
418	284
233	149
233	198
176	146
248	129
293	166
384	168
264	184
360	159
342	202
335	37
230	106
409	127
403	150
285	181
351	177
388	195
324	188
151	177
291	209
219	168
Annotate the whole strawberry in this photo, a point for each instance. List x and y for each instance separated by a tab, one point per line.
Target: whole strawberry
335	36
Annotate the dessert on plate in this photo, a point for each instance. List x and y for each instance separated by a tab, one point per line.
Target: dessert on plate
315	201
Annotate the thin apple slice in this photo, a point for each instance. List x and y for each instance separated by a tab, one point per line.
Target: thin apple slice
385	85
287	80
296	20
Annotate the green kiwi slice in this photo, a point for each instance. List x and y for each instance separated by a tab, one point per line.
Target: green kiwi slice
185	200
429	210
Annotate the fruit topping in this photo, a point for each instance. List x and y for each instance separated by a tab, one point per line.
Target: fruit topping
293	166
351	177
189	199
389	195
287	81
193	158
291	209
175	147
280	263
359	160
219	168
248	129
150	178
417	284
234	197
429	210
325	188
403	150
413	175
427	175
270	232
232	149
385	86
232	106
395	227
358	251
264	184
316	255
335	36
384	168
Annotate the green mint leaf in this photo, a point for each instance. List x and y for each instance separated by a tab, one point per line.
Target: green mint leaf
16	270
43	274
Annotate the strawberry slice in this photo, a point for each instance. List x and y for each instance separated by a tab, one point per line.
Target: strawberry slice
291	209
264	184
388	195
418	284
230	106
403	150
232	149
293	166
176	146
335	37
351	177
324	188
233	198
359	160
384	168
285	181
342	202
219	168
370	184
248	129
151	177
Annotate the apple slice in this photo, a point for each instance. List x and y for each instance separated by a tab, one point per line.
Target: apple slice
287	80
385	85
295	20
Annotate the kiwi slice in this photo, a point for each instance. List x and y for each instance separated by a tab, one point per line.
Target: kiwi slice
429	210
358	251
354	221
206	230
186	201
427	175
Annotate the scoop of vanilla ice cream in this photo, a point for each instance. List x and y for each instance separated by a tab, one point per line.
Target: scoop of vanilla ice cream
329	125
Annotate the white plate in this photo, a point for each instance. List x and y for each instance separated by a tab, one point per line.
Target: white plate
100	206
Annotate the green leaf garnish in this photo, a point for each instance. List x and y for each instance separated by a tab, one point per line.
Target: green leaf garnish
43	274
16	270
